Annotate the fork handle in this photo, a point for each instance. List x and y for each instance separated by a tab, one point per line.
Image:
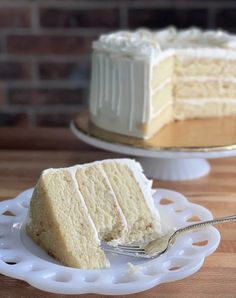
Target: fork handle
202	224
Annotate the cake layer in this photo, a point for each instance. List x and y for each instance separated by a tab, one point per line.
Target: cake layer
209	108
161	72
164	116
60	222
161	98
192	66
207	89
107	216
141	216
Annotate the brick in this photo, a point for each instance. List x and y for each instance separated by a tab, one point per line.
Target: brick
79	18
48	44
75	71
2	44
15	17
157	18
226	19
54	120
43	96
2	96
13	119
15	70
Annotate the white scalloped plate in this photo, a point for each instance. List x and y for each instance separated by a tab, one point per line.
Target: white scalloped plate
21	258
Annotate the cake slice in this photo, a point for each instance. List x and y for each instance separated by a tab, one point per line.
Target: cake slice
60	222
72	209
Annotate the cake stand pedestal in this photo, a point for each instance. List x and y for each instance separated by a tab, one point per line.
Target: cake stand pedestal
174	169
178	152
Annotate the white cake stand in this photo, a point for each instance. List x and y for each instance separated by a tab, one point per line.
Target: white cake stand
167	163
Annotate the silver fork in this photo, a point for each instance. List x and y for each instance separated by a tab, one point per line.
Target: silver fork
159	246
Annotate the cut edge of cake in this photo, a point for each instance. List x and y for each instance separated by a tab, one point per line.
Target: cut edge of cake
144	226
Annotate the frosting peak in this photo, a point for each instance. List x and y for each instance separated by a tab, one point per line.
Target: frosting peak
149	44
138	43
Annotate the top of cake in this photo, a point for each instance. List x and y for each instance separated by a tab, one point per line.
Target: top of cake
146	43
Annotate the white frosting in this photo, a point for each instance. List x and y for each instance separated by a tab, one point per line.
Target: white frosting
119	90
150	44
100	82
204	101
124	93
207	79
212	53
132	103
146	93
139	43
195	38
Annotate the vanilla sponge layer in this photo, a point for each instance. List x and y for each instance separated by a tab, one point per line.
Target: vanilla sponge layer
193	66
62	226
176	78
161	97
142	224
162	72
204	89
186	110
101	202
165	116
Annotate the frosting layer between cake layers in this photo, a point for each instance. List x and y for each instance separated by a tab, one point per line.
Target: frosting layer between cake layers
141	79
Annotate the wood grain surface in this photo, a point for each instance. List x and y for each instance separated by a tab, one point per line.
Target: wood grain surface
24	154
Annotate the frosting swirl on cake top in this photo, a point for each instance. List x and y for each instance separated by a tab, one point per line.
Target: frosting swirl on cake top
145	43
138	43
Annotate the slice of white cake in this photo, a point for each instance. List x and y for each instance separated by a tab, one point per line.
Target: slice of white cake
60	222
72	209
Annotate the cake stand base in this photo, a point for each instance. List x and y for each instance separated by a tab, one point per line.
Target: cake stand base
174	169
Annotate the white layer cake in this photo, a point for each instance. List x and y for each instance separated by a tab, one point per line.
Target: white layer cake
72	209
142	80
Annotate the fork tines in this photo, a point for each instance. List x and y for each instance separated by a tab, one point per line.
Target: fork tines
133	249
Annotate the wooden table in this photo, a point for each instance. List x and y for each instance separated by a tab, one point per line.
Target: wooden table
25	153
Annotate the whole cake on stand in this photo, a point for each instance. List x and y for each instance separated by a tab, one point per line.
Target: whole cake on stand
143	80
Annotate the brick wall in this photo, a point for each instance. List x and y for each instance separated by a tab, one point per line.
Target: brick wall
45	48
